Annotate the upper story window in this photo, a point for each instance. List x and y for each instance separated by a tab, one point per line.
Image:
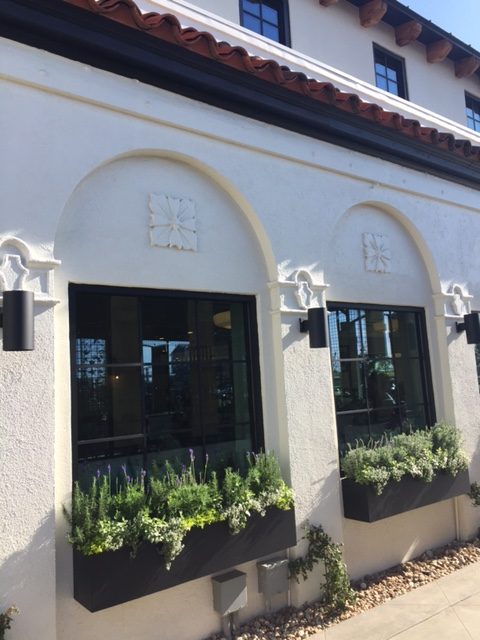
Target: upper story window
473	112
390	72
380	371
267	17
157	373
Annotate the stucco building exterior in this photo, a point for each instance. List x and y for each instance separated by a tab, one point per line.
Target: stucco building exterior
148	164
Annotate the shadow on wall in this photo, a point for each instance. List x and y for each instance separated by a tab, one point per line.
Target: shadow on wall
27	580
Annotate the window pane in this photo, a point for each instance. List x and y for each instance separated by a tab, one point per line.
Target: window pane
167	319
350	394
172	406
108	402
352	427
348	338
378	339
403	335
409	381
381	383
111	321
251	7
393	88
221	331
270	31
391	74
216	390
380	69
229	447
270	15
96	459
252	23
381	82
386	421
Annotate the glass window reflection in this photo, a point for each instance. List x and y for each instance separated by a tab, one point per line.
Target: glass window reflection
173	372
379	372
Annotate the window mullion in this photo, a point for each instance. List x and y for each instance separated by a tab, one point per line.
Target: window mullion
143	414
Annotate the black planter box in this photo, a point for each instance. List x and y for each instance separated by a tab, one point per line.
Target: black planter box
360	502
110	578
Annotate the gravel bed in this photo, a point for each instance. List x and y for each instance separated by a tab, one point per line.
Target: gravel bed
293	624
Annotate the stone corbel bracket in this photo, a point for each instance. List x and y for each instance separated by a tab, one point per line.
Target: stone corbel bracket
299	292
453	304
20	269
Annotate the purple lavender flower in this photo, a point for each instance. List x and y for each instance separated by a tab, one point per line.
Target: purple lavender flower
206	458
109	468
124	469
184	468
129	479
192	457
143	473
98	473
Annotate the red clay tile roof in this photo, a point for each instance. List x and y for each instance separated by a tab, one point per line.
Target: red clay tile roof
167	27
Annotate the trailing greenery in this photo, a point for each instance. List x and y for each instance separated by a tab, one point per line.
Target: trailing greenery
337	592
419	454
162	508
474	494
6	620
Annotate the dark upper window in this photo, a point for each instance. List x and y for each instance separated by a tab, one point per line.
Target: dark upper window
473	112
380	371
156	373
267	17
390	72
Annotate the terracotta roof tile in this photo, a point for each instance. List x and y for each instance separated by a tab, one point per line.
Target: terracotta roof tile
168	28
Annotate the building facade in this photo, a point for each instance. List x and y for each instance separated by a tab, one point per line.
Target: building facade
159	184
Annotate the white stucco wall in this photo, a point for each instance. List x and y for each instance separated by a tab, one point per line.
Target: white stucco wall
90	147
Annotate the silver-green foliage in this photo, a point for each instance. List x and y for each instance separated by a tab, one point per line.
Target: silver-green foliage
161	509
419	454
6	620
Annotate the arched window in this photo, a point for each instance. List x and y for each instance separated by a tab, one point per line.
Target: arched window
267	17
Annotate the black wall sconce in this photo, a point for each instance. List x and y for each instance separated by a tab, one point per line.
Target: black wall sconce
471	326
17	320
316	327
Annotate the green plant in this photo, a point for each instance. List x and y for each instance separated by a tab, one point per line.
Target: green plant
161	509
6	620
419	454
238	500
474	494
337	592
264	479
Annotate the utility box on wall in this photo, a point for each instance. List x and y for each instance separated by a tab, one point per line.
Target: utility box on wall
273	576
229	592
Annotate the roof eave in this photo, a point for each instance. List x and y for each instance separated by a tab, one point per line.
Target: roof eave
74	33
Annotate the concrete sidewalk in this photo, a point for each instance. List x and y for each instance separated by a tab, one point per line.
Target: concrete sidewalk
447	609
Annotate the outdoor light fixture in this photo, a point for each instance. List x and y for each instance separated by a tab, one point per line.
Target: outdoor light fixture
471	326
316	327
17	320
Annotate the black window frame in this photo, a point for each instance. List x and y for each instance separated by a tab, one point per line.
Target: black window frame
423	348
472	103
281	7
252	355
390	60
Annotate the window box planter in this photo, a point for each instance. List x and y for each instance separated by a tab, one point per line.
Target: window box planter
108	579
360	502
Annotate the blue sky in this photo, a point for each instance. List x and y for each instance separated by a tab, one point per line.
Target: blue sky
459	17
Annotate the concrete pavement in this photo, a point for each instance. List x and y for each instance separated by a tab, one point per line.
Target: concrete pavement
447	609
